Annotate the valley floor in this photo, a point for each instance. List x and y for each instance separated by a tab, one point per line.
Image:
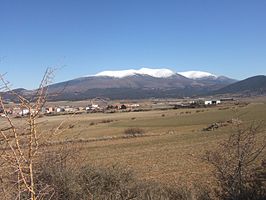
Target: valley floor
171	149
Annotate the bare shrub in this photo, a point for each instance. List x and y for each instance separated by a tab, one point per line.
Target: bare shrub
106	121
114	183
20	144
110	183
134	131
239	164
57	170
92	123
202	192
63	176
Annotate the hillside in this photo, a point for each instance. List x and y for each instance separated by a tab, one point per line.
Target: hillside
134	84
255	85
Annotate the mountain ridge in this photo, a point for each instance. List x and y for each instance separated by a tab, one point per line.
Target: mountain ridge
255	85
137	84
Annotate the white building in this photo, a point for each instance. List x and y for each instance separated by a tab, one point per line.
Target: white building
24	112
70	109
92	107
134	105
212	102
59	110
95	106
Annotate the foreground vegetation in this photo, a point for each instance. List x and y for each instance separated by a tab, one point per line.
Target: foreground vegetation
237	167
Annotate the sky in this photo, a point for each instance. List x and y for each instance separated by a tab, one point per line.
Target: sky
84	37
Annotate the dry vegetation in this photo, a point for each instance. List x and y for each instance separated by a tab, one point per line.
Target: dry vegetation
134	131
20	144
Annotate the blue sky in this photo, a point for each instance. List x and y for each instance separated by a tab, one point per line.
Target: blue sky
84	37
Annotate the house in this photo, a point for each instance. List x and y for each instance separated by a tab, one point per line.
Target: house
212	102
134	105
50	110
87	108
70	109
24	111
95	106
92	107
59	109
123	107
16	111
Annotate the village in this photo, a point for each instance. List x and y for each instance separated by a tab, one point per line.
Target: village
104	106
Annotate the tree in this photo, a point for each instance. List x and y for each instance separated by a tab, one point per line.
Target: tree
20	143
239	164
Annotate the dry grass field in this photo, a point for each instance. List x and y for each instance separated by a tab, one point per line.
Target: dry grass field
169	152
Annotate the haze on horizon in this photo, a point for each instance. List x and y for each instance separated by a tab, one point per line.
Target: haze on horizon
86	37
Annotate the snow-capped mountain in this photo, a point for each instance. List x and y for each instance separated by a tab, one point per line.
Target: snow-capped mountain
138	84
157	73
197	74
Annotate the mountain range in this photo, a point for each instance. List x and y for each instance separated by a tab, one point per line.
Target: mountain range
139	84
148	83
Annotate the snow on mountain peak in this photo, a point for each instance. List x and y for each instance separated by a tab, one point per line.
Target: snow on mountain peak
158	73
196	74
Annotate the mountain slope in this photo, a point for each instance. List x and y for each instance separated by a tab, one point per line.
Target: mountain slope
255	85
134	84
136	81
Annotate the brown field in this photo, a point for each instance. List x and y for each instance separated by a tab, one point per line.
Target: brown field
170	151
